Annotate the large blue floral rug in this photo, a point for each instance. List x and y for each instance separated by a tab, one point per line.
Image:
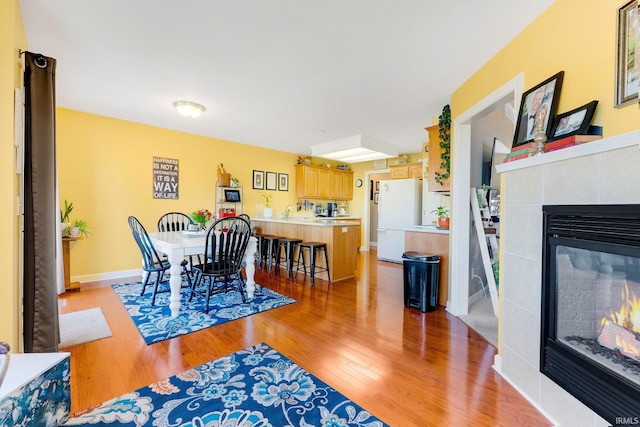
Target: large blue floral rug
254	387
156	324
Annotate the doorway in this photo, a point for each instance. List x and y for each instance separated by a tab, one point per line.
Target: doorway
461	220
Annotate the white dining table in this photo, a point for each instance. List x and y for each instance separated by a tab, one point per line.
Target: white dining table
177	244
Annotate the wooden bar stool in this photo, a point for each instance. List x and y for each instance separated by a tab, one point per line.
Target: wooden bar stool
288	246
313	248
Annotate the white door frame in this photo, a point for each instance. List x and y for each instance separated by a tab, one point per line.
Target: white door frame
458	303
366	214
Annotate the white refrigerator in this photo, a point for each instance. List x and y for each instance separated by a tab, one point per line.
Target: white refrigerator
399	207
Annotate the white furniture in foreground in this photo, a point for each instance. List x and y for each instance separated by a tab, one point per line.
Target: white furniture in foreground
177	244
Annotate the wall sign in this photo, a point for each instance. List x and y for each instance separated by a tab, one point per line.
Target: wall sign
165	178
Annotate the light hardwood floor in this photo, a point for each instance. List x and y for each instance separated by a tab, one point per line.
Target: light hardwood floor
406	367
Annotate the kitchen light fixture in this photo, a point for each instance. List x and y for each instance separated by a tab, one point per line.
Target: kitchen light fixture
188	108
359	148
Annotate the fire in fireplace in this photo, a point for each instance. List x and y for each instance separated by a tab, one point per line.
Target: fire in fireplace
590	335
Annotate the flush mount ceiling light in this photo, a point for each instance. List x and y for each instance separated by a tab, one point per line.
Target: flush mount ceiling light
189	109
359	148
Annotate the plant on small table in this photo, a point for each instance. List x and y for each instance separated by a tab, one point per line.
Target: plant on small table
443	216
200	217
77	228
64	214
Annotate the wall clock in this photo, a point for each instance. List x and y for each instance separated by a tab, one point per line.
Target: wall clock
358	183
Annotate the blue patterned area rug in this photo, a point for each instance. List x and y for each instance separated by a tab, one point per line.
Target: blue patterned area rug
254	387
156	324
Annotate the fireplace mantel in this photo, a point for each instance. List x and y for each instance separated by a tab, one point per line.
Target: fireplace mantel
594	147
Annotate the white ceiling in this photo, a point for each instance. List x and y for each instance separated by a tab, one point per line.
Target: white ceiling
283	74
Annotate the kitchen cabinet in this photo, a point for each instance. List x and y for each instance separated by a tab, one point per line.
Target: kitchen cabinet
407	170
434	161
318	182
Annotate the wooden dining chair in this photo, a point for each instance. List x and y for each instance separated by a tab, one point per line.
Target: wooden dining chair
152	262
227	241
177	221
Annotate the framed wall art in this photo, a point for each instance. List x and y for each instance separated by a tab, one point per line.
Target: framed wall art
628	49
537	107
574	122
258	180
283	182
272	181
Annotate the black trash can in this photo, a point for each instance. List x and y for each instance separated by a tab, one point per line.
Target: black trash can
421	276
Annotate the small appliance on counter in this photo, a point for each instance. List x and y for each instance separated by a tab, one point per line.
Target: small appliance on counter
330	211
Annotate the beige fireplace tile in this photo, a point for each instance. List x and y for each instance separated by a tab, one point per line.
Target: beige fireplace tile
522	232
576	181
522	282
524	187
620	176
520	373
521	332
565	409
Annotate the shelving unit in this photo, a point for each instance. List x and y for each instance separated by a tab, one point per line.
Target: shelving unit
489	248
224	205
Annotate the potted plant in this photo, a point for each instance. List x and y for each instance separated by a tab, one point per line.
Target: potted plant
443	216
77	228
268	212
64	215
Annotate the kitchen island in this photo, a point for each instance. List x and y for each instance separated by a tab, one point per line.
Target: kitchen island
432	240
341	237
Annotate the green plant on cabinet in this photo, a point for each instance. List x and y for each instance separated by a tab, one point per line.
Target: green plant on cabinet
444	125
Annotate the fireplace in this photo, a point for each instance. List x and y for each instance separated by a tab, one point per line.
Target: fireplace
590	323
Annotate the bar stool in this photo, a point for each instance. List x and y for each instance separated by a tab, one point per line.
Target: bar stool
269	251
260	247
313	248
288	245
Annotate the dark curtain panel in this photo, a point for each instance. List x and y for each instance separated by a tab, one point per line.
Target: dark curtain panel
40	301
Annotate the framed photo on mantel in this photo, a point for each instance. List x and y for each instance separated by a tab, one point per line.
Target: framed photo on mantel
537	108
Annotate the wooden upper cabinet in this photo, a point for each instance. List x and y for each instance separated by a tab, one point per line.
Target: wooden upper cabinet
323	183
435	160
407	170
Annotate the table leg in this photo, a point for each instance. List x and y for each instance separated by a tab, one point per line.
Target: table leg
175	282
250	267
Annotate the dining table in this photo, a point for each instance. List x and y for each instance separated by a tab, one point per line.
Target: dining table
178	244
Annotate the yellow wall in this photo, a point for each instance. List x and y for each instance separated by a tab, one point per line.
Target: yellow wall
12	38
105	169
571	37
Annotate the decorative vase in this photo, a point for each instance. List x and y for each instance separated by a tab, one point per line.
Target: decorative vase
539	140
268	213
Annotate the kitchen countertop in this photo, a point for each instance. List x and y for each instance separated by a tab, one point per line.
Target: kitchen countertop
427	229
319	222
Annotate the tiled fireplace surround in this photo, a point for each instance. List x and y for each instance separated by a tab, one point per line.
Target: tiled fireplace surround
600	172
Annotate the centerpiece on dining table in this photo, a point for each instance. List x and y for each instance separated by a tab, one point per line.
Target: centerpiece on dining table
201	217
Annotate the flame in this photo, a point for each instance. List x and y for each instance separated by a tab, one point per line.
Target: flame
629	314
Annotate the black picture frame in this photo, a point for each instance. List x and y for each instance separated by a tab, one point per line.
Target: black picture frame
231	196
574	122
271	182
258	180
375	197
627	63
283	182
543	98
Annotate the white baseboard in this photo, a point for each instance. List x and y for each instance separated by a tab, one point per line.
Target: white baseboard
497	366
107	276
